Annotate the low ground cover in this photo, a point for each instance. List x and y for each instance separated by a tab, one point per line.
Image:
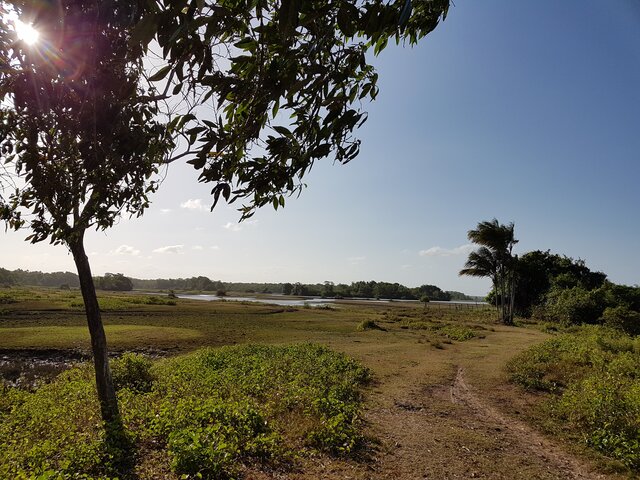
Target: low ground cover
592	376
207	413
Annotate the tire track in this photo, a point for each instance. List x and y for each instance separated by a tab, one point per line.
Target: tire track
528	439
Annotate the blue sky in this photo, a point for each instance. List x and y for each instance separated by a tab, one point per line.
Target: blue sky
524	111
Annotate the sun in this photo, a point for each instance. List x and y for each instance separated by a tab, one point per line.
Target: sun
26	32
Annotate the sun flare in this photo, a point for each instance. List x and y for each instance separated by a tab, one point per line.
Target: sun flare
26	32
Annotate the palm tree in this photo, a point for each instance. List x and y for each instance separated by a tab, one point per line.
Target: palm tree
494	259
482	263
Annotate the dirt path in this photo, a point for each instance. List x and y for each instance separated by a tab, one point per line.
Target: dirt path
444	432
530	441
449	432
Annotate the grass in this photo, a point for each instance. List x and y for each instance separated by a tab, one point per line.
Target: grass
77	337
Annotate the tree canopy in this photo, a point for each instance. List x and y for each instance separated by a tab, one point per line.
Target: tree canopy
250	92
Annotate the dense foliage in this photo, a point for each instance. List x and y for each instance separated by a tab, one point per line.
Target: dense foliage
207	413
617	306
593	375
538	272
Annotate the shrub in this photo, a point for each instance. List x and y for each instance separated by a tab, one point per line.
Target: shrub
594	373
573	306
623	319
368	325
605	405
132	371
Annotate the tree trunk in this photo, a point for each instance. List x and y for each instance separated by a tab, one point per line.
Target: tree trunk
513	298
497	290
104	382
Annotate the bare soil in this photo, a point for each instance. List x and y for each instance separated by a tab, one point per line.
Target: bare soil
450	428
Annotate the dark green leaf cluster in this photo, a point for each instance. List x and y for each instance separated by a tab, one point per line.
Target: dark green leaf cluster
617	306
286	79
538	271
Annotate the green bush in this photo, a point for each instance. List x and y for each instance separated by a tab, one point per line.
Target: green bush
605	405
594	374
622	318
132	371
573	306
450	331
368	325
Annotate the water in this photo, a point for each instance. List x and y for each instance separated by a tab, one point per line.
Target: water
311	301
287	302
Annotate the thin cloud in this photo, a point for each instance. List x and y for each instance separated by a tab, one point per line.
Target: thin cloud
356	260
164	211
193	204
446	252
126	250
232	227
214	247
170	249
197	247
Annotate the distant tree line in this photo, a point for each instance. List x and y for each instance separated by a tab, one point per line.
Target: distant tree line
200	283
38	279
119	282
365	289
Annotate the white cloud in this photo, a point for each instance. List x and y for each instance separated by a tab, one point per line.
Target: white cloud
446	252
126	250
356	260
214	247
233	227
197	247
164	211
170	249
193	204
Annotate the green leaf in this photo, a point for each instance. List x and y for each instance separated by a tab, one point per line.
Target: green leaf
160	74
282	130
144	31
246	43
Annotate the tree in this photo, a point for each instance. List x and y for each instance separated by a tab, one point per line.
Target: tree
287	288
328	290
84	127
538	271
116	282
425	299
81	137
494	259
